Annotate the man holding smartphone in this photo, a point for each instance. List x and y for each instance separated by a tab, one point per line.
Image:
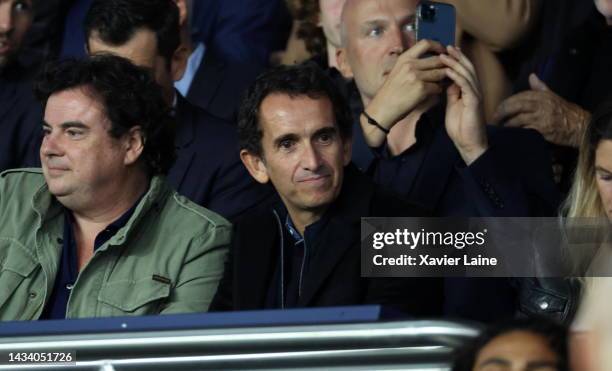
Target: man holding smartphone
440	156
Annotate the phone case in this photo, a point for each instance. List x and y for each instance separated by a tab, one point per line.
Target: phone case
440	27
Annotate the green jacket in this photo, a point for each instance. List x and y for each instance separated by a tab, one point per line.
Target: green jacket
168	258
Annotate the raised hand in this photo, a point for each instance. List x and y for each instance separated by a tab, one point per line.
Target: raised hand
411	81
464	121
559	121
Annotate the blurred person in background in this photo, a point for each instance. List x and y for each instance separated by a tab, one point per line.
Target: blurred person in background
316	32
591	333
517	345
561	88
486	29
20	114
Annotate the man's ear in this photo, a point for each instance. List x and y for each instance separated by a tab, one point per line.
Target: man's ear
343	65
179	62
255	166
133	145
347	150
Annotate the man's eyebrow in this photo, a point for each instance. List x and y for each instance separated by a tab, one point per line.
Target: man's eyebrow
602	170
326	130
373	23
73	124
409	18
494	361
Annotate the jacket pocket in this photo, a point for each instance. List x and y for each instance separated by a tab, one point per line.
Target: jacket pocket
16	264
128	297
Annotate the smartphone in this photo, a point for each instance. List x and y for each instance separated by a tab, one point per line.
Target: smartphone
436	21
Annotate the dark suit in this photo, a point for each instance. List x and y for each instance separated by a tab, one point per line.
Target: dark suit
20	124
333	275
219	84
242	30
513	178
208	169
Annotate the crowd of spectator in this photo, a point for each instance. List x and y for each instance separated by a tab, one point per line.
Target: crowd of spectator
180	156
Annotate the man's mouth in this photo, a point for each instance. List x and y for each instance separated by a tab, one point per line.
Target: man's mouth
314	179
4	46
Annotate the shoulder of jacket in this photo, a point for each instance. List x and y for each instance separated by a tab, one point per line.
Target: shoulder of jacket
33	176
192	209
20	184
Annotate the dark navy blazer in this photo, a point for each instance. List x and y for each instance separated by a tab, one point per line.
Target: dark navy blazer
512	179
219	84
208	169
20	125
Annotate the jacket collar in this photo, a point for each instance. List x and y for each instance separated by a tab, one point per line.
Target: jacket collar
341	232
48	207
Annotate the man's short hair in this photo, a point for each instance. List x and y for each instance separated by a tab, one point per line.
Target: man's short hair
305	79
129	96
116	21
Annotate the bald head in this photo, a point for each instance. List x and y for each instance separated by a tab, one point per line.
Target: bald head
373	35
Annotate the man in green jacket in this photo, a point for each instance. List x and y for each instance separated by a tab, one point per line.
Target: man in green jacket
99	232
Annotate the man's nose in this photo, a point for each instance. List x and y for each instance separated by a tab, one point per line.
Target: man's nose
50	146
311	158
399	41
6	18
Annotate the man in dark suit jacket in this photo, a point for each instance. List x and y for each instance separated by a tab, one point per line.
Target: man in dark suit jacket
304	250
20	116
212	79
445	159
208	169
20	123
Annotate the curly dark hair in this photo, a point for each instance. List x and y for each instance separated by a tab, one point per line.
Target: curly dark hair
129	96
554	334
116	21
306	79
306	12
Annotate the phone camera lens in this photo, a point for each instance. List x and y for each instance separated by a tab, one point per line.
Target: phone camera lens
428	13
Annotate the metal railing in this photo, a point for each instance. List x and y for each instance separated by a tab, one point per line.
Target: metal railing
394	345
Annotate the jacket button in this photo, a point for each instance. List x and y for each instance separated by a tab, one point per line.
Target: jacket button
60	240
32	295
69	286
544	305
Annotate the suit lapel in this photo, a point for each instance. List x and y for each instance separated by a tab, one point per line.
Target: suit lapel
206	81
185	133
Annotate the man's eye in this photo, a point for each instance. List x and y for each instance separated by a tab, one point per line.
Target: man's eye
375	31
73	133
409	28
22	6
286	144
605	177
325	138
